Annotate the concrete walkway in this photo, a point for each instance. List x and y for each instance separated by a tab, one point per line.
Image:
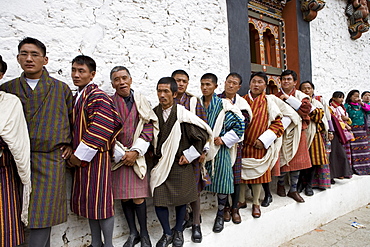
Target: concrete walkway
338	232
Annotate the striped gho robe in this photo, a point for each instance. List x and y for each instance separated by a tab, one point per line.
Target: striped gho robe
260	123
301	159
95	123
222	178
48	113
200	112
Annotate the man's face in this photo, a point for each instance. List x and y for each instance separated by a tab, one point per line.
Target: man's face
232	85
307	89
366	97
257	86
81	75
207	87
31	59
288	83
182	83
121	81
165	95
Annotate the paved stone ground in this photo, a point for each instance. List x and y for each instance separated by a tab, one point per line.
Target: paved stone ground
338	232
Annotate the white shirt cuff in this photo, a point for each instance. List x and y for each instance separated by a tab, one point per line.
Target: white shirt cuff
286	121
191	154
230	138
84	152
141	146
294	102
267	138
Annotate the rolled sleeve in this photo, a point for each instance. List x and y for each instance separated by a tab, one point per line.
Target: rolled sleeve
84	152
294	102
267	138
141	146
191	154
230	138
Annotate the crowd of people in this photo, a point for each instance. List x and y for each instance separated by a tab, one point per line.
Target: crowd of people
119	147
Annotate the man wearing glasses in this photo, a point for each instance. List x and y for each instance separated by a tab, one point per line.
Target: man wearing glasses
47	106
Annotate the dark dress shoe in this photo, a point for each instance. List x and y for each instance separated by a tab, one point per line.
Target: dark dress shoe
196	234
242	205
266	202
145	241
227	215
281	190
177	239
308	190
165	241
236	216
132	240
219	224
332	181
256	211
295	196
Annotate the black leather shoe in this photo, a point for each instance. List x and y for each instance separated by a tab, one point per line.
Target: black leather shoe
308	190
219	224
132	240
266	202
196	234
177	239
165	241
145	241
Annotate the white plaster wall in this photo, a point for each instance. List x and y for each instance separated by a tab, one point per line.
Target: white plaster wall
338	63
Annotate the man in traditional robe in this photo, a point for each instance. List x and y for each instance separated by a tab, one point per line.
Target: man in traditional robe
233	83
181	139
261	145
47	106
95	126
300	102
130	179
227	123
194	105
15	169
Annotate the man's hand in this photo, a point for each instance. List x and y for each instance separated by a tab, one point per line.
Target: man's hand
67	152
218	141
284	97
258	144
129	158
202	157
183	160
74	161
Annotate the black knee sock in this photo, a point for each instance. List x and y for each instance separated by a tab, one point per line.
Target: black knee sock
163	214
235	195
180	215
140	210
221	198
266	188
129	211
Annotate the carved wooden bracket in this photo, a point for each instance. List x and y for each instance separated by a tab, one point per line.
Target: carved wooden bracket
357	12
310	8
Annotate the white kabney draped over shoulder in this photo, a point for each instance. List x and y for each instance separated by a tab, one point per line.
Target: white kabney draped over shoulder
13	130
312	127
161	171
254	168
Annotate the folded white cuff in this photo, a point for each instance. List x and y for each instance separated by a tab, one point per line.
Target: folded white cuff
286	121
230	138
294	102
141	146
267	138
191	154
84	152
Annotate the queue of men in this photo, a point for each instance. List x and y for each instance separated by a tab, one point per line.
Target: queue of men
119	147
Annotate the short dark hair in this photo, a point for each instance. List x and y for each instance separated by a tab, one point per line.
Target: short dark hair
300	85
209	76
349	95
169	81
260	74
82	59
3	66
289	72
36	42
180	72
364	92
234	74
338	94
118	68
